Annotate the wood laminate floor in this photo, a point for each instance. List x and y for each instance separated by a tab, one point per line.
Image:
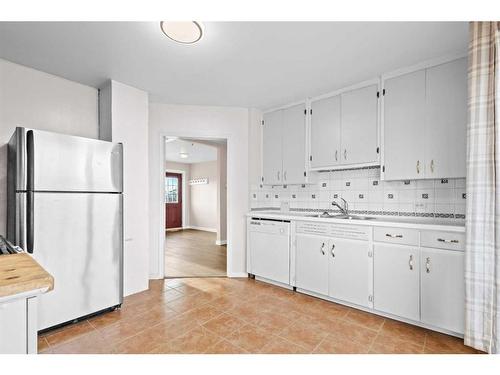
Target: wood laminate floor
193	253
236	316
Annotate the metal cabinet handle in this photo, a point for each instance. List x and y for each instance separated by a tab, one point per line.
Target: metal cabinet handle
418	166
284	176
428	265
333	253
447	241
278	175
322	248
432	165
345	154
336	155
394	235
410	263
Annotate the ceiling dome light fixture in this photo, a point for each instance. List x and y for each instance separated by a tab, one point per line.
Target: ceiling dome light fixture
186	32
183	155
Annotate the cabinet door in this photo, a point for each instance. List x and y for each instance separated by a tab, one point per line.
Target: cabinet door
272	148
294	144
312	263
359	110
396	280
442	289
446	102
325	132
403	126
348	274
13	327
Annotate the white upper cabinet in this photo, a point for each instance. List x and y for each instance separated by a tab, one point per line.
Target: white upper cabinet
294	144
424	122
446	101
284	146
344	128
325	132
404	119
272	148
359	110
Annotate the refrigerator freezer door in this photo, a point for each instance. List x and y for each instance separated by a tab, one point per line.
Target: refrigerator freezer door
57	162
77	237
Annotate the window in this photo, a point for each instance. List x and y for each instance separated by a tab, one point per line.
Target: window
171	190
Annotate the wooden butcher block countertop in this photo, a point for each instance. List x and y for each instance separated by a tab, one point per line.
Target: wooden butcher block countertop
20	273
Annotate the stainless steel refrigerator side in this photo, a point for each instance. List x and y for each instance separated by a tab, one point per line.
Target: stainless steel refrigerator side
16	187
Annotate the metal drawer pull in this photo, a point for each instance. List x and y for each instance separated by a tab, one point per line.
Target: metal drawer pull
394	235
322	247
428	265
432	165
278	175
345	154
284	176
333	253
410	262
336	155
418	166
447	241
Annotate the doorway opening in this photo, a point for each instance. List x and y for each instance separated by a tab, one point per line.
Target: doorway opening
195	207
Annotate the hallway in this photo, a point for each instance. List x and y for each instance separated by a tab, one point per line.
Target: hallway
193	253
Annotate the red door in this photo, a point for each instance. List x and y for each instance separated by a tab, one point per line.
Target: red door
173	200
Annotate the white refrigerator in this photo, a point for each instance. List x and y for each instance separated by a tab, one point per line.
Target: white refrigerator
65	208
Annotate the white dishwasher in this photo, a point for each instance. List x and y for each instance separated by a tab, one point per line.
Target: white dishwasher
269	249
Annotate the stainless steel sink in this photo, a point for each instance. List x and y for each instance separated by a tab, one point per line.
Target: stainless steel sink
346	217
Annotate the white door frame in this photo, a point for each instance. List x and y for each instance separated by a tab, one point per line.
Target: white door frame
184	204
161	197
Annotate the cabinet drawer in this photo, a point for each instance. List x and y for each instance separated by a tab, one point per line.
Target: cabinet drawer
396	235
443	240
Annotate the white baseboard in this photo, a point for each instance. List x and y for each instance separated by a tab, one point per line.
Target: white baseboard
202	228
237	274
220	243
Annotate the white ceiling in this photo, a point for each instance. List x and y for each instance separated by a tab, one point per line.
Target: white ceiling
249	64
197	152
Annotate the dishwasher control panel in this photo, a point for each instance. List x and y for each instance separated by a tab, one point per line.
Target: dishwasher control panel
354	232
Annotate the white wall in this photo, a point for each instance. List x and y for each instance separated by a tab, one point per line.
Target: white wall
203	205
199	122
186	192
221	195
254	146
127	122
34	99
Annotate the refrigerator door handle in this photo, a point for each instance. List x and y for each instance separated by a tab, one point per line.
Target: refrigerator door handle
30	221
20	235
30	203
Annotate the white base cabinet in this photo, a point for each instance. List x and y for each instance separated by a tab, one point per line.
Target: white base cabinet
311	272
442	288
396	280
349	271
18	325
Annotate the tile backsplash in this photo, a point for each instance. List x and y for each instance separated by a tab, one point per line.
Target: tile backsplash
367	194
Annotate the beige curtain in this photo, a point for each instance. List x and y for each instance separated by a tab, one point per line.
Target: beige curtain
482	256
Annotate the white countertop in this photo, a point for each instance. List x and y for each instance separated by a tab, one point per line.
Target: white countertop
450	225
